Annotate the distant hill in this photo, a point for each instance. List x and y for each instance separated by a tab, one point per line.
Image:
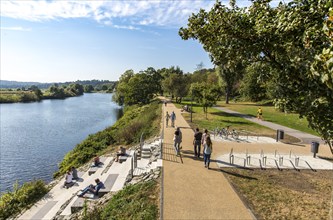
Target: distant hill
6	84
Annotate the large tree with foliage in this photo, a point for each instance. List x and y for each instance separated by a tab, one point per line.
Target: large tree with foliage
175	82
208	28
205	94
137	88
290	38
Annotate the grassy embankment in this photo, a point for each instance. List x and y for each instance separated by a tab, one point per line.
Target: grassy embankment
271	194
125	131
7	96
139	201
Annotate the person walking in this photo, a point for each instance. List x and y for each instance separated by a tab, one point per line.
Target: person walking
204	137
197	142
167	117
259	114
177	139
173	118
208	149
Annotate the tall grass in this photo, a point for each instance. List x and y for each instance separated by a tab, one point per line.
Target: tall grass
12	203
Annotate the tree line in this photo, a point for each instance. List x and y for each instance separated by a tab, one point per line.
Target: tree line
55	91
283	54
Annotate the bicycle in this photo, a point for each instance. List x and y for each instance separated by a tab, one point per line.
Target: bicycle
234	134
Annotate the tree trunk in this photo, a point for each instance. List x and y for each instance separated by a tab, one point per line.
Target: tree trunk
227	94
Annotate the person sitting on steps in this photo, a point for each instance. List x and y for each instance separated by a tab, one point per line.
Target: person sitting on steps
92	188
96	162
121	152
68	179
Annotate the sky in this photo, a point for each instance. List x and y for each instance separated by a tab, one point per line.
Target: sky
58	41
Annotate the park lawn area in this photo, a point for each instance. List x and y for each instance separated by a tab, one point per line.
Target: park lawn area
287	194
270	114
218	119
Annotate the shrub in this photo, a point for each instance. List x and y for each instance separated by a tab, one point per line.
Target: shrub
12	203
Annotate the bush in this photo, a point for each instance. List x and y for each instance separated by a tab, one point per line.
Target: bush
12	203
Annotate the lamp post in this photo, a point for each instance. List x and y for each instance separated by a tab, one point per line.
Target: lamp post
191	106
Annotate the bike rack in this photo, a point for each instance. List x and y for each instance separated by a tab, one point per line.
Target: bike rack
231	156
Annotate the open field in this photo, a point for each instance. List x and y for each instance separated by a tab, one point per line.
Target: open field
270	114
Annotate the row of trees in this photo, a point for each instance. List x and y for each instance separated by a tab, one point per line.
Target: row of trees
140	88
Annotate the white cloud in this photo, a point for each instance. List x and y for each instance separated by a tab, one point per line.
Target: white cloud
129	27
15	29
122	13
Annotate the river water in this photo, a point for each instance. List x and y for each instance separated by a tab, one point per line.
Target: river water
34	137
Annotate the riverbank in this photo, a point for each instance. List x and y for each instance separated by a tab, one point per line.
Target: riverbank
126	131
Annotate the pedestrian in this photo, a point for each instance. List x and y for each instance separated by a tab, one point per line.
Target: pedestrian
173	118
259	114
204	136
167	117
208	150
177	139
197	142
165	103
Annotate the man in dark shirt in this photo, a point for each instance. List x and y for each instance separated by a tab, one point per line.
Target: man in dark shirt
197	142
92	188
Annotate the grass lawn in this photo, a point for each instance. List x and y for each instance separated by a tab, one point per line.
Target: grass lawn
270	114
287	194
216	118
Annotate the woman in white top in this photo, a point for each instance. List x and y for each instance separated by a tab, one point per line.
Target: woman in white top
208	149
68	179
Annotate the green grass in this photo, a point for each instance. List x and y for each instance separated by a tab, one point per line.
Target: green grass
12	203
287	194
139	201
216	118
7	96
270	114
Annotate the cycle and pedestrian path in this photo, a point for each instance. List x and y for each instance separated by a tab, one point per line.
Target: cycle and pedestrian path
302	136
191	191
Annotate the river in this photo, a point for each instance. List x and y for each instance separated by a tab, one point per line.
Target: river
34	137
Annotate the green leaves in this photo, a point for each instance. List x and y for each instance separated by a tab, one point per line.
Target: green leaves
294	40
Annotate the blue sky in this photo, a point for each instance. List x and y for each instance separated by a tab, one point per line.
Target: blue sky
57	41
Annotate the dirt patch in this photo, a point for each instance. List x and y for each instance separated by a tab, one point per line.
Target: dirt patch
287	194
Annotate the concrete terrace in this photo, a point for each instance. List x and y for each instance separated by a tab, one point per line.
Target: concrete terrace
60	201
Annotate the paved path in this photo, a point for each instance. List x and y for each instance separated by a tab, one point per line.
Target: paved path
304	137
191	191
